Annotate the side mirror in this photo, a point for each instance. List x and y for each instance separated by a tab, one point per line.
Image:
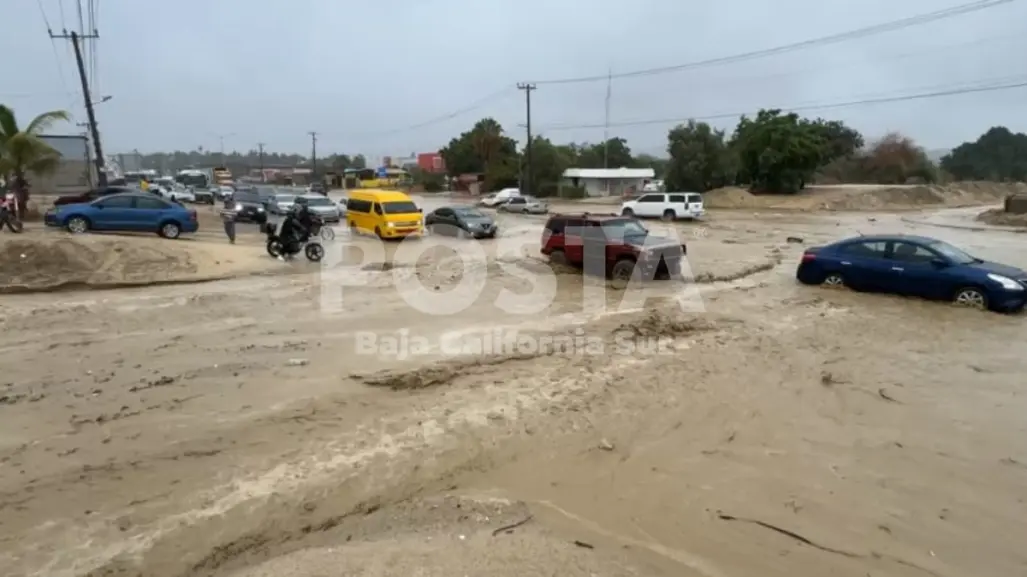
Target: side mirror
420	210
939	263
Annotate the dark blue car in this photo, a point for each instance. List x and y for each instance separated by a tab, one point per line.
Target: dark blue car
131	212
915	266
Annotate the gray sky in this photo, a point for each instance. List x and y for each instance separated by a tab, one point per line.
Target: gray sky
182	72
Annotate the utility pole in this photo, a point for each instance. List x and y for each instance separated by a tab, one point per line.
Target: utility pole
101	173
313	155
606	127
527	88
260	155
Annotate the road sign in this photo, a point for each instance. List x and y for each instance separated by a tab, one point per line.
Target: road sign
382	172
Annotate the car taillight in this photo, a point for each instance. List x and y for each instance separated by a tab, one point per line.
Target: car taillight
808	256
192	215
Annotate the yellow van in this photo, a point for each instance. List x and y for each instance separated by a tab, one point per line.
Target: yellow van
386	213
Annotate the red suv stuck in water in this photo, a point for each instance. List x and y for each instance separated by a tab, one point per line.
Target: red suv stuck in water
617	247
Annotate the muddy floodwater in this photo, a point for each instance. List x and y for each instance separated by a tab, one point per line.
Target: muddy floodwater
270	426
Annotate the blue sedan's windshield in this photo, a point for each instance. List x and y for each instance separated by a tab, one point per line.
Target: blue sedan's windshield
952	253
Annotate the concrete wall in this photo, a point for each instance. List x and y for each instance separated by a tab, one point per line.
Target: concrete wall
75	173
1016	204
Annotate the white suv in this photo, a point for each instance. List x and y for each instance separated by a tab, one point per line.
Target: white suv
665	205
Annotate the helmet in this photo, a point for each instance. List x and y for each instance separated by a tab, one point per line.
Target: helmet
300	201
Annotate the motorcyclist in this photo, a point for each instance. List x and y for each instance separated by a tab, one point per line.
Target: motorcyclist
296	225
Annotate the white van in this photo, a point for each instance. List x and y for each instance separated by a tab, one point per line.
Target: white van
665	205
501	197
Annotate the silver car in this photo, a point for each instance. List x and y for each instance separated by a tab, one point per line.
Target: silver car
525	205
280	203
323	207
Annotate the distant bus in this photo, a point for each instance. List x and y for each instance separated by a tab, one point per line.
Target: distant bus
195	178
369	178
137	176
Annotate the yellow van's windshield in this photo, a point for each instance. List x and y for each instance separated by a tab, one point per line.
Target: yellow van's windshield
399	207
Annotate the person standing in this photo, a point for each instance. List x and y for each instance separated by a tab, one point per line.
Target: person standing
228	217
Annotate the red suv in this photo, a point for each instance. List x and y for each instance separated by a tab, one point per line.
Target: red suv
614	246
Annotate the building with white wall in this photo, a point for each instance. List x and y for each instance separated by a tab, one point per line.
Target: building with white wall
609	181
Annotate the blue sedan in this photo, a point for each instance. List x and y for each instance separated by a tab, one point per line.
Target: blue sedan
915	266
131	212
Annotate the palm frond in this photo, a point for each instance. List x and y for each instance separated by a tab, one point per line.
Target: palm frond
8	123
46	120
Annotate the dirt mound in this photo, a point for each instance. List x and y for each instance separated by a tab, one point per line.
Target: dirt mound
440	373
33	263
866	197
656	324
999	217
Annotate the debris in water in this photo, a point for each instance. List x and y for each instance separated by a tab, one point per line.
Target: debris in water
297	363
794	240
605	445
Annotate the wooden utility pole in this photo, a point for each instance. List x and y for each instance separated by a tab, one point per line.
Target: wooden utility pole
260	156
527	88
101	173
313	155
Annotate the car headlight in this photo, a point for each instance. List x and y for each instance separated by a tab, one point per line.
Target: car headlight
238	206
260	209
391	224
1006	282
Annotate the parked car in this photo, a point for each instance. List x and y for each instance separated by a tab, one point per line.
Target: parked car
92	195
323	207
668	206
317	188
224	192
134	212
494	200
249	207
342	203
181	194
917	266
265	192
461	221
202	195
280	203
524	205
615	246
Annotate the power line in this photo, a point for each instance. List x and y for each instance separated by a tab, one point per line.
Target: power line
1007	85
477	104
56	53
823	40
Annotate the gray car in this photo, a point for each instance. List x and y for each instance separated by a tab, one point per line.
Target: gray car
323	207
280	203
525	205
461	221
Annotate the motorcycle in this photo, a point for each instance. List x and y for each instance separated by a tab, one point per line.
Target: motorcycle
312	249
9	214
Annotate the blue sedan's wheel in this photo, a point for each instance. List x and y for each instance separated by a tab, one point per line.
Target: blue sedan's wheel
833	280
170	230
78	225
970	297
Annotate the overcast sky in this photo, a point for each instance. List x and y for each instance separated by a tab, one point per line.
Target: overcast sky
182	73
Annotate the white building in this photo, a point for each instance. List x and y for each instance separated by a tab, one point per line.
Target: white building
609	181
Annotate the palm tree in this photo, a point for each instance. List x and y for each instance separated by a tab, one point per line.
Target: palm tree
23	152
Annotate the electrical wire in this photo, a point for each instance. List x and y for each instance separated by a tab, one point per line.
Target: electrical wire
56	53
1010	83
476	105
823	40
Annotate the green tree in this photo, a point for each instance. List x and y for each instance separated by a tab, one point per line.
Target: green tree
699	158
340	162
485	149
359	162
896	159
997	155
839	141
549	161
22	152
613	153
659	165
777	153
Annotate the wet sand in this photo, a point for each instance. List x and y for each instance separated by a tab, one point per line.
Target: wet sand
237	428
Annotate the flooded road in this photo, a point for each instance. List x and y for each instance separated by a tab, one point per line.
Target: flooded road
265	426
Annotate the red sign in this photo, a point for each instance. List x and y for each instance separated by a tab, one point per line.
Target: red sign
431	162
